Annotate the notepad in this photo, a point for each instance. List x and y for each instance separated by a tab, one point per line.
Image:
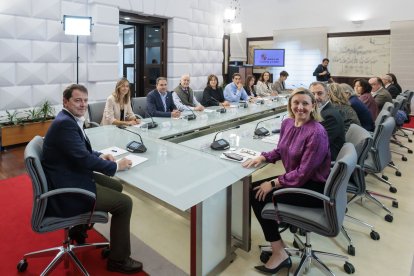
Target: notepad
115	151
135	159
273	139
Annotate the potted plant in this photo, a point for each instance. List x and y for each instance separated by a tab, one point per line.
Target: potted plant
21	126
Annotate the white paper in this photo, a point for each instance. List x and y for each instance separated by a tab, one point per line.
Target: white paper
273	139
209	110
135	159
115	151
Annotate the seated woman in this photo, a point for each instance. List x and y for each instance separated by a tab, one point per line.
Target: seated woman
249	86
118	110
340	102
304	150
264	86
363	90
213	94
361	110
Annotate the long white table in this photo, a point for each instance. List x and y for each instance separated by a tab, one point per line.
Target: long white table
187	176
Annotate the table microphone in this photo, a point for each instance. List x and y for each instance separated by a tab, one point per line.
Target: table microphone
134	146
277	130
262	131
151	124
221	144
221	110
190	116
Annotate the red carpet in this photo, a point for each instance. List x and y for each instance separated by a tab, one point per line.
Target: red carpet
410	124
17	237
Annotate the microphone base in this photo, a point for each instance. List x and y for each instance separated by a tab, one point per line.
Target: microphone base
190	117
222	110
277	130
152	125
261	132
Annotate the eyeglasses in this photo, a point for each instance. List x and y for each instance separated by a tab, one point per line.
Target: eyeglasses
250	152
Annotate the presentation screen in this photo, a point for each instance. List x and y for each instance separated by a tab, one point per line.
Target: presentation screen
269	57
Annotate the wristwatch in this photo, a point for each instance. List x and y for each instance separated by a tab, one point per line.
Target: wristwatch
273	183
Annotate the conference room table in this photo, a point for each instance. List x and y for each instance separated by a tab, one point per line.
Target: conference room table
184	174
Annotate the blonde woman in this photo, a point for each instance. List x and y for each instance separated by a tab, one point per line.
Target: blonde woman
118	110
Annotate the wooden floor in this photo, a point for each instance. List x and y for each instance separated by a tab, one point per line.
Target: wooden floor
11	161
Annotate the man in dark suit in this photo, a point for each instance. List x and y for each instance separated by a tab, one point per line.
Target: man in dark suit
387	81
333	121
379	93
69	161
160	102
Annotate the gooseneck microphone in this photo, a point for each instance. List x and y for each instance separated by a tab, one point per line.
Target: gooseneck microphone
190	116
221	110
277	130
221	144
151	124
134	146
262	131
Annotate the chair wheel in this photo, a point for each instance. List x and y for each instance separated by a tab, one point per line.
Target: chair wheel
404	158
105	252
410	151
349	268
265	256
395	204
22	265
351	250
374	235
393	190
384	177
293	229
389	218
397	173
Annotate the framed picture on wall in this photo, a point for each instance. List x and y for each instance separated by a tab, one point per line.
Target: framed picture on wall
257	43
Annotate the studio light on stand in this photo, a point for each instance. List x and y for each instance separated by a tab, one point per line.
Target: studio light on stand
77	25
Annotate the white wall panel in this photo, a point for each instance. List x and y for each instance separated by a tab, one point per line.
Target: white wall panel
45	51
105	14
192	28
203	56
31	28
177	40
13	50
148	6
49	9
102	71
202	30
15	97
51	93
174	9
55	32
16	7
73	8
198	16
208	43
103	53
178	25
197	42
197	69
7	26
176	70
126	5
31	73
105	34
100	91
7	74
60	73
179	55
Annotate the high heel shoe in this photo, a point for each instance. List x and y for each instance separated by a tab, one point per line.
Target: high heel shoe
285	264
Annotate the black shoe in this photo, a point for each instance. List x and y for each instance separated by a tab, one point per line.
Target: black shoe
285	264
128	266
78	233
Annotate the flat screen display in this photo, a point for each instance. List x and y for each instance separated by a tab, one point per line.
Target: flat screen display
269	57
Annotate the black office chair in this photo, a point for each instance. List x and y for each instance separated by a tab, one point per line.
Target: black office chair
95	113
198	94
42	223
139	106
326	221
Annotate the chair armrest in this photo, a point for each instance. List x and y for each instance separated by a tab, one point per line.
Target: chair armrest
138	116
94	124
302	191
68	191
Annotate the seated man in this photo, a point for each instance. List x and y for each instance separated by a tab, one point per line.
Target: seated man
160	102
183	96
379	93
387	81
69	161
234	92
332	120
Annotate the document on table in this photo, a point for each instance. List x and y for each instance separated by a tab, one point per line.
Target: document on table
135	159
273	139
243	152
209	110
115	151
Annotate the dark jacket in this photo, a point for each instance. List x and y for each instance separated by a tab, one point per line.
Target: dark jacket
334	126
69	162
210	93
155	107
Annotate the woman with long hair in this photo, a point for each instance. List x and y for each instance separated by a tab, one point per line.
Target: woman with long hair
264	86
118	110
363	90
249	86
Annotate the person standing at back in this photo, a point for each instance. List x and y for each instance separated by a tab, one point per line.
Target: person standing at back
69	161
322	73
332	120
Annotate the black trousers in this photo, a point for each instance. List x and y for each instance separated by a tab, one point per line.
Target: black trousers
109	198
271	227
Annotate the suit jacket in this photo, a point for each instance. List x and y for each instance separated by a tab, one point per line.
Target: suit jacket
334	126
381	97
279	86
69	162
112	111
393	90
319	69
155	107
